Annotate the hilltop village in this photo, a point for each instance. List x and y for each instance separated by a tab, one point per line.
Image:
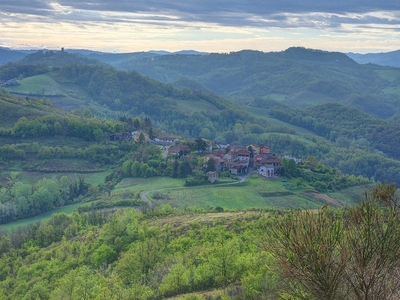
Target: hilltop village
211	157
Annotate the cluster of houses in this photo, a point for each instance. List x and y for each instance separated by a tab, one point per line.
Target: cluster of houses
10	82
238	159
235	159
129	136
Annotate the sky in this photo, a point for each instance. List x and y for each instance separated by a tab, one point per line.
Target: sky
203	25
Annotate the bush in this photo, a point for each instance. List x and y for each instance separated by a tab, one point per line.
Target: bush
347	255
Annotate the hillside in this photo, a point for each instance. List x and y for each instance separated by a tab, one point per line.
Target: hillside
383	59
104	88
56	59
297	76
192	111
169	254
8	55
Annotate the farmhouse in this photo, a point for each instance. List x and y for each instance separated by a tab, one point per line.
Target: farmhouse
179	150
165	140
212	176
266	171
136	136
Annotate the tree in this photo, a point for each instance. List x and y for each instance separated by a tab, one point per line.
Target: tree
135	169
385	194
103	255
200	145
185	169
141	139
175	168
210	165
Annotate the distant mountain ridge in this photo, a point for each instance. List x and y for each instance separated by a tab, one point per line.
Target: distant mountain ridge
296	77
383	59
391	58
8	55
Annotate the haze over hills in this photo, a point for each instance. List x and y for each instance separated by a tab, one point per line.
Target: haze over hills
296	77
190	108
79	135
383	59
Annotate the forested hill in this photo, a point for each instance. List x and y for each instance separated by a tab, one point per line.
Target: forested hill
57	59
297	76
184	111
179	111
345	125
384	59
8	55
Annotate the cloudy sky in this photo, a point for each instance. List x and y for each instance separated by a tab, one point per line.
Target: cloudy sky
204	25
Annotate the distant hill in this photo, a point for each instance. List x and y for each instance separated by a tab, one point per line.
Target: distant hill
182	110
56	59
115	59
296	77
8	55
119	60
384	59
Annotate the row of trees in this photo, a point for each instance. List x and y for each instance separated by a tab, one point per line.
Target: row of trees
89	129
322	178
20	200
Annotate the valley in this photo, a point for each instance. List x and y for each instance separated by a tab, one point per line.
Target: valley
172	176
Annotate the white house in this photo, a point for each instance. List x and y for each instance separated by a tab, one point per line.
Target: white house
296	159
266	171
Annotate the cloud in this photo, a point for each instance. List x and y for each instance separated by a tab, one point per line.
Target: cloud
190	20
254	13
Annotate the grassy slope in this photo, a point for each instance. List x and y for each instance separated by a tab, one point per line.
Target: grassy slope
43	217
189	106
262	113
256	192
13	108
38	85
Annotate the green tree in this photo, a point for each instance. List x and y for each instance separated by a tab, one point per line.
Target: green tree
105	254
200	145
135	170
141	139
175	169
210	165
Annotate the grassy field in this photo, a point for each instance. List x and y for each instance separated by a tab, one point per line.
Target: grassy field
147	184
389	74
37	85
351	195
32	177
12	109
392	90
69	209
263	114
188	106
256	192
53	141
278	97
